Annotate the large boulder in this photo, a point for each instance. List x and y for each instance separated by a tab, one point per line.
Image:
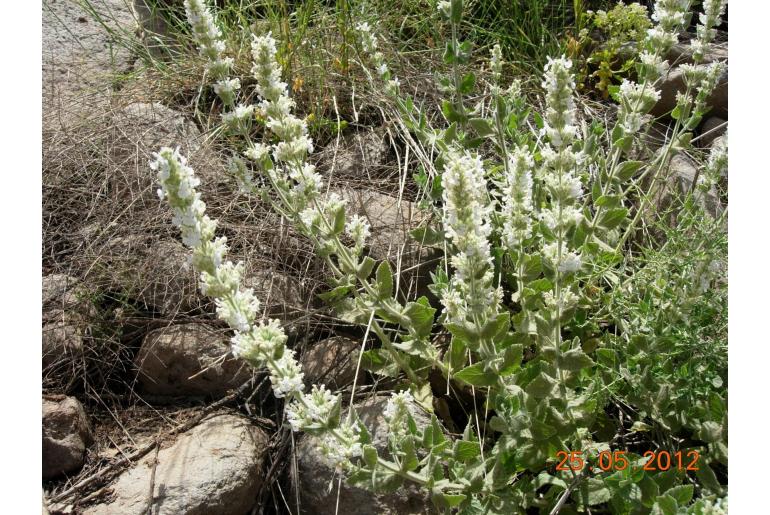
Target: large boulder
67	311
331	362
188	360
66	436
314	475
216	467
83	47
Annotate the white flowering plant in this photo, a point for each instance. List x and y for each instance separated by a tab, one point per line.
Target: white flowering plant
536	213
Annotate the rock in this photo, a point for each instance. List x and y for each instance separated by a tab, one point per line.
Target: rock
216	467
81	55
170	356
140	130
331	362
154	272
679	182
67	310
66	435
713	128
282	296
391	222
357	154
681	53
153	18
674	83
314	475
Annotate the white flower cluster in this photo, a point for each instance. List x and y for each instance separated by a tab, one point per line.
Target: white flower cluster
715	507
466	214
399	408
711	17
358	229
178	183
276	105
703	79
369	45
242	174
313	410
286	375
559	171
209	39
716	166
340	448
239	119
559	87
496	66
671	17
445	8
220	279
517	199
258	343
635	102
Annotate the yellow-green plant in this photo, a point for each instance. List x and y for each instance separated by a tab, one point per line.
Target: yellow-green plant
535	213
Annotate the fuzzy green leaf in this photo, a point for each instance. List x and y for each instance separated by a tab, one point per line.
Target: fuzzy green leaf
475	375
575	360
482	127
384	280
627	169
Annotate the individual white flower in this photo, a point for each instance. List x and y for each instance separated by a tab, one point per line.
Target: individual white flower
382	69
238	310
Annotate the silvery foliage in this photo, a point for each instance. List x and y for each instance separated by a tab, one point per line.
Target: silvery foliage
538	224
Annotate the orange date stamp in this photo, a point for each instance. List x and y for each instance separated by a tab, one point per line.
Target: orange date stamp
608	461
